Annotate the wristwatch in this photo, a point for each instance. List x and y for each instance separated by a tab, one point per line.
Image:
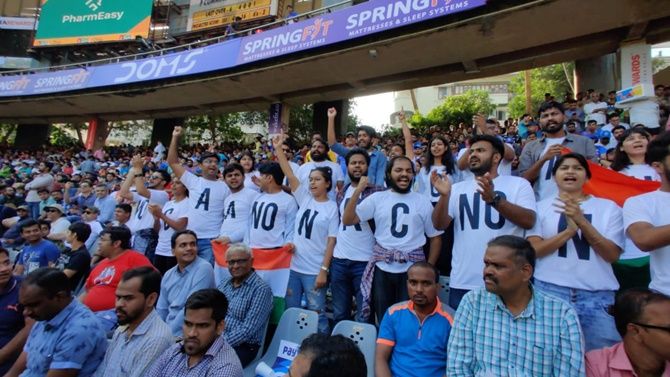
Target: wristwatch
138	175
496	200
324	268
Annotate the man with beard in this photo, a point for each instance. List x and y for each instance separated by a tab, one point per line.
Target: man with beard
237	206
539	156
481	209
189	275
354	243
67	340
511	328
204	351
377	165
402	222
319	152
206	196
413	334
142	222
142	335
647	219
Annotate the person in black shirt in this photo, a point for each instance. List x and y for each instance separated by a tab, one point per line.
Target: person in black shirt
75	262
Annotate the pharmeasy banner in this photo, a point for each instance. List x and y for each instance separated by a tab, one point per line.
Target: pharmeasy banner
204	14
70	22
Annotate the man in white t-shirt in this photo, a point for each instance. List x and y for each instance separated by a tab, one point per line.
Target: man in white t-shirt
272	213
237	206
596	110
539	156
485	127
206	196
319	152
647	217
614	121
481	209
402	222
141	223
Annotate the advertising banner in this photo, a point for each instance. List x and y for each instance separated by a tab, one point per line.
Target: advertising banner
18	23
346	24
70	22
206	14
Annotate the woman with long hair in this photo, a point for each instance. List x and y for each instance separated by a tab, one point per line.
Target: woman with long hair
438	158
576	238
248	162
316	227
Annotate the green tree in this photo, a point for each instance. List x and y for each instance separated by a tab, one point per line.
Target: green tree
454	110
214	128
550	79
61	138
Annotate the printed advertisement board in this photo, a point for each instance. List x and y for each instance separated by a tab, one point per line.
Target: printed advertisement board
205	14
70	22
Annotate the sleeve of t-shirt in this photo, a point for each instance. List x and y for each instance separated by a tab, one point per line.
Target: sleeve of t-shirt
428	227
453	203
158	197
365	210
291	212
189	180
73	348
52	252
338	176
302	194
78	262
614	230
387	334
635	210
536	230
334	224
525	196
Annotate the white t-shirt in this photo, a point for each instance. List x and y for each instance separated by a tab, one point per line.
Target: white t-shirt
271	220
425	187
647	173
248	183
402	222
315	223
476	223
294	167
576	264
609	127
652	208
545	185
142	218
206	200
59	226
236	214
96	228
307	167
600	118
354	242
504	168
175	211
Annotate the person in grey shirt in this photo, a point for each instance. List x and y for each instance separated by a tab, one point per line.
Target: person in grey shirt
539	156
141	336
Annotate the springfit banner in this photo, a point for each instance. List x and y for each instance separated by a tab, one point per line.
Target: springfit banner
364	19
70	22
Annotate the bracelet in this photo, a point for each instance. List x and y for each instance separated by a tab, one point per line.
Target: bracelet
138	175
324	268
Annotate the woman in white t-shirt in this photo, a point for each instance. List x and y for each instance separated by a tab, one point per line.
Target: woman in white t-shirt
249	164
577	237
173	216
316	227
632	269
438	158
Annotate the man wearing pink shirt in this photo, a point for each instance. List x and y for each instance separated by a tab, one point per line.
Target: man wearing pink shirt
643	319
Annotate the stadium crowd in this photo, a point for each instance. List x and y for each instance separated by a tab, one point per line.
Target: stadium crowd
162	261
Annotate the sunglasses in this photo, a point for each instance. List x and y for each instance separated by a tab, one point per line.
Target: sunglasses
647	326
88	212
51	210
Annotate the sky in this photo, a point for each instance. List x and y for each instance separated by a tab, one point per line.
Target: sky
374	110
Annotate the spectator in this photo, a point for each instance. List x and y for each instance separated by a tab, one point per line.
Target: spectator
38	252
143	335
55	215
510	325
596	109
189	275
90	218
43	179
323	355
75	261
238	205
204	351
67	338
413	334
250	304
122	214
642	320
101	284
85	197
45	200
104	202
172	217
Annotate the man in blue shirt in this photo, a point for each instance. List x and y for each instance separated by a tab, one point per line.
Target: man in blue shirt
413	334
38	252
67	340
105	203
377	165
14	329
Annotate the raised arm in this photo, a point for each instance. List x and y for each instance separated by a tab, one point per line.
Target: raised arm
124	192
332	138
293	181
172	157
349	217
407	135
138	165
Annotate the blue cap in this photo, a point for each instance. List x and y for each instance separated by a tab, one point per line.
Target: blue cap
604	134
418	145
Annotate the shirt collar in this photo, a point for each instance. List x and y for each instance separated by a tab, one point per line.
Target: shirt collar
56	321
11	284
144	326
213	349
190	267
438	306
528	312
248	280
568	137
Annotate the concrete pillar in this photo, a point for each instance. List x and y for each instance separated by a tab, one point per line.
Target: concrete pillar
599	73
162	130
32	135
320	118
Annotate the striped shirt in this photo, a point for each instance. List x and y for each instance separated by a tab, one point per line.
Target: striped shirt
130	355
249	307
220	360
488	340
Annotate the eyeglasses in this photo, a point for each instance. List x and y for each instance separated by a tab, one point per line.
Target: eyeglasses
234	262
88	212
662	328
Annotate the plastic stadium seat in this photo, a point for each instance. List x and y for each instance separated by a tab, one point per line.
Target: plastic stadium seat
443	294
294	326
364	335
